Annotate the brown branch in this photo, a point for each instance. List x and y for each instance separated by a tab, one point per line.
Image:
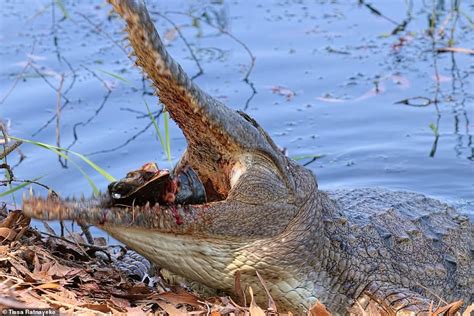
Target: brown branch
8	149
104	33
129	140
97	111
455	50
52	192
10	173
20	75
377	12
58	115
93	247
87	233
77	243
241	43
73	81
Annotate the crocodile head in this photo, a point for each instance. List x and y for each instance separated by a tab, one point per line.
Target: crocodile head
255	193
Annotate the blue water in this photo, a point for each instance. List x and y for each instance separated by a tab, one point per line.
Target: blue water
325	57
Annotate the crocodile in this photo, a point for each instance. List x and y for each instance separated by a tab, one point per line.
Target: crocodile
266	213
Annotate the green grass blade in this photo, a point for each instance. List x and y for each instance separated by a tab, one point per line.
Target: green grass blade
301	157
155	125
165	142
434	128
62	7
468	18
167	135
91	183
101	171
18	187
59	151
118	77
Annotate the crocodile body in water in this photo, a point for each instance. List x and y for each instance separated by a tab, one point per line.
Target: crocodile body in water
264	212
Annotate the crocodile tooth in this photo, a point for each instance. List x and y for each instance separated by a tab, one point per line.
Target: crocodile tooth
50	194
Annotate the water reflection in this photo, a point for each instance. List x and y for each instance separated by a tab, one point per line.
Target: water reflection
346	65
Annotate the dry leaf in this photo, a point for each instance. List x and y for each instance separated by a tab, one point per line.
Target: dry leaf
318	309
58	270
469	310
331	100
280	90
181	297
449	309
455	50
6	234
271	302
240	295
170	309
13	303
115	308
98	307
254	309
120	302
49	285
136	311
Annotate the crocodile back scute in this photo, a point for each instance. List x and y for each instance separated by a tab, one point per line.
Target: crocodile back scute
409	239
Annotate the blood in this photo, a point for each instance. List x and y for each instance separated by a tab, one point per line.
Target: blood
177	217
170	192
104	217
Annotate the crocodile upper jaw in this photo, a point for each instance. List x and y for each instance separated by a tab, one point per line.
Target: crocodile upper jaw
217	136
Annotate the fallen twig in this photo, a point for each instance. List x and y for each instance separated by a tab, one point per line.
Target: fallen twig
377	12
455	50
58	116
20	75
125	143
424	101
8	149
104	33
241	43
90	246
74	76
97	111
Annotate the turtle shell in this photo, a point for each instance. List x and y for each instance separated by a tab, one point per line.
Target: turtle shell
151	185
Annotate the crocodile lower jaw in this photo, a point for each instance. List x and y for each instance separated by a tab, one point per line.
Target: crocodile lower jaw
214	263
